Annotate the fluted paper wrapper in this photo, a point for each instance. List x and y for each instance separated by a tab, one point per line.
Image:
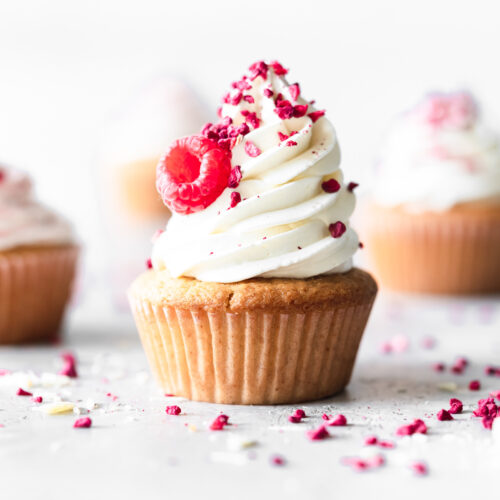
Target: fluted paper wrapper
35	285
457	252
254	357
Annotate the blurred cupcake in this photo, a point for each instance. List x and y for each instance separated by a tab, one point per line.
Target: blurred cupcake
37	263
253	298
433	225
131	146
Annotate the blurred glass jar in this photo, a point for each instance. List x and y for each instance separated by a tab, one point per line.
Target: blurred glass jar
132	142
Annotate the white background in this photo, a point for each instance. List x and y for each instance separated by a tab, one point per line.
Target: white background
65	65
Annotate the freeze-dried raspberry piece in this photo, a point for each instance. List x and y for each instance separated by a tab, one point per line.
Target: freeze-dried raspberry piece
37	399
192	174
438	367
234	177
456	406
83	423
419	468
219	423
417	427
316	115
330	186
249	99
22	392
318	433
268	92
300	413
258	68
338	421
173	410
371	440
69	366
149	264
294	90
251	149
352	186
386	444
474	385
444	415
277	460
337	229
235	199
278	68
290	143
294	419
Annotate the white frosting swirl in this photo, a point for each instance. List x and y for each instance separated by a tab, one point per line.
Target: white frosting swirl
281	226
23	220
438	155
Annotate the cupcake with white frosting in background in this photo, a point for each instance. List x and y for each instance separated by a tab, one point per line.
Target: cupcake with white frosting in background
253	298
433	223
132	142
38	257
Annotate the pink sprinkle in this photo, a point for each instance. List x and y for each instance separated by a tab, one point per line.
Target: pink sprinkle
84	422
337	229
268	92
417	427
330	186
277	460
234	177
294	91
419	468
316	115
438	367
338	421
474	385
172	410
251	149
371	440
291	143
444	415
69	366
22	392
352	186
300	413
318	434
235	199
37	399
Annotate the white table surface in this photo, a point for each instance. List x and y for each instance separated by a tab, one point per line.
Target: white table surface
135	451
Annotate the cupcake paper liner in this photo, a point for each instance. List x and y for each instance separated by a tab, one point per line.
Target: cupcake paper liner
455	252
253	357
35	285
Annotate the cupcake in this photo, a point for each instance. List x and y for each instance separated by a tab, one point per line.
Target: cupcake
433	224
37	263
252	297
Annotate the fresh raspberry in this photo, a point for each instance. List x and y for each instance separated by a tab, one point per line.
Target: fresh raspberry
192	174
